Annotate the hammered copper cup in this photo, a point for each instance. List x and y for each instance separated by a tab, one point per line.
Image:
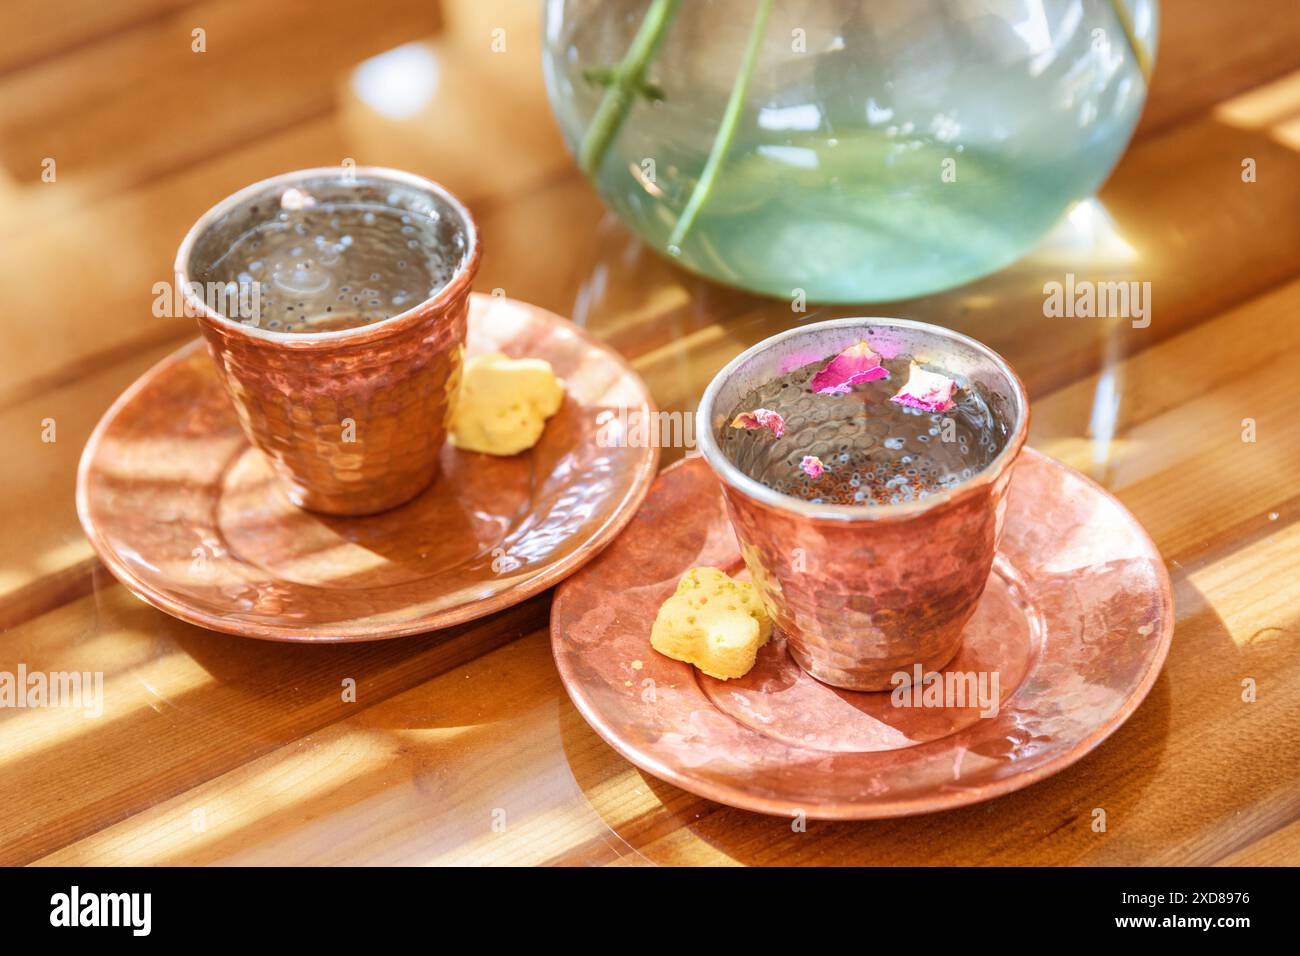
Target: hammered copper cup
351	420
866	593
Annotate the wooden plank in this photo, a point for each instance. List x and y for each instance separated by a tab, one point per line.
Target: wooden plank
1279	848
1210	51
452	772
144	101
1167	427
35	30
49	562
183	705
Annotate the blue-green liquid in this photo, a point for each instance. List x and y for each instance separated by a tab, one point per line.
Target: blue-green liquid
927	217
913	147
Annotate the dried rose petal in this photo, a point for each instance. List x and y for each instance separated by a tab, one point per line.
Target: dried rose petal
760	418
854	365
812	466
926	390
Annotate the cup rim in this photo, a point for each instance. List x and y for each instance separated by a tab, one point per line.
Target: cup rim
458	286
752	488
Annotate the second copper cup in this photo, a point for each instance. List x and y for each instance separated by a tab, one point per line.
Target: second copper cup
352	420
863	594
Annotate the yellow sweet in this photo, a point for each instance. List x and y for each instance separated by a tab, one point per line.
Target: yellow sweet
713	622
504	403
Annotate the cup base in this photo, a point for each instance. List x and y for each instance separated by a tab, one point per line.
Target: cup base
871	678
353	505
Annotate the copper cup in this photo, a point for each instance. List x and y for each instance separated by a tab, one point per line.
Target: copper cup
864	593
353	420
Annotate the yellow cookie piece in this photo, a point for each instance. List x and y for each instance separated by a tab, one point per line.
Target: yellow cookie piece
504	403
713	622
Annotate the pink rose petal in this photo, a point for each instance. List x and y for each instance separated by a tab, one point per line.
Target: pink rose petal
761	418
812	466
926	390
854	365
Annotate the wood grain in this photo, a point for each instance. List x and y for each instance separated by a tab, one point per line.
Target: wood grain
461	746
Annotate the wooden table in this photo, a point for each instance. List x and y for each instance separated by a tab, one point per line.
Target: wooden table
214	749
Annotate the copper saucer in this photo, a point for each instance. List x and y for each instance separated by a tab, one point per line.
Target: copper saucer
187	516
1076	621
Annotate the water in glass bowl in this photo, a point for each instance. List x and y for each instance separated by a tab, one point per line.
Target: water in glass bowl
885	148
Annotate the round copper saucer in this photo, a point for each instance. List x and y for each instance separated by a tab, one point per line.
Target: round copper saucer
185	513
1076	622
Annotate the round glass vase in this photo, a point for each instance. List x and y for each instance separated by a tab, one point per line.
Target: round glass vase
848	150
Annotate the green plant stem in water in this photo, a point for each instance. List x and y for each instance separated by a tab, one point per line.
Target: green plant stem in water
1140	53
726	133
628	78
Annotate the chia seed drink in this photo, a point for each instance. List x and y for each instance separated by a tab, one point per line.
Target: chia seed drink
873	450
336	255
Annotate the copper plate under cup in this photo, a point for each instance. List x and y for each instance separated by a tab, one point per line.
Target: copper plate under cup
190	518
1076	621
865	593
